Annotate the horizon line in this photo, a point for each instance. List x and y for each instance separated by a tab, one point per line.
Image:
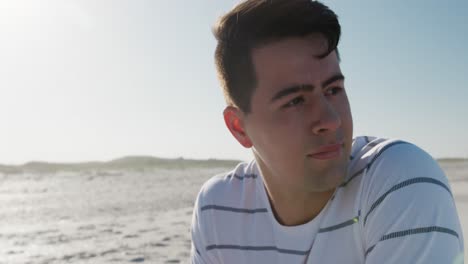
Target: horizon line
168	158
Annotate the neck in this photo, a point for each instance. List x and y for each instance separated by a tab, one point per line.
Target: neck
297	209
293	205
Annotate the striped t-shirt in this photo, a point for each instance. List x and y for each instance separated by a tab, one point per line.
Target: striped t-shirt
394	206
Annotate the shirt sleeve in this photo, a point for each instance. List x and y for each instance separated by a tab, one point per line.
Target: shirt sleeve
199	234
409	215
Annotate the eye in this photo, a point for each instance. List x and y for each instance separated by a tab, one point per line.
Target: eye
294	102
333	91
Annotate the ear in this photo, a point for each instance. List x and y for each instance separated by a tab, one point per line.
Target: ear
234	122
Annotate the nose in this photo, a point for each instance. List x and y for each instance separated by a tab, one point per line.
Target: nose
327	118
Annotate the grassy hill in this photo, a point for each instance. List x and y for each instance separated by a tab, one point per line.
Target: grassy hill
129	163
148	162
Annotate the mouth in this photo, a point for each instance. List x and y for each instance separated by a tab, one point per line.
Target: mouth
328	152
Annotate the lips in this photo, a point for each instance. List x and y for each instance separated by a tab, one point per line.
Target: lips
328	152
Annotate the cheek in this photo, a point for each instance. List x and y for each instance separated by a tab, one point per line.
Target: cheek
289	133
291	121
280	136
346	122
277	135
344	109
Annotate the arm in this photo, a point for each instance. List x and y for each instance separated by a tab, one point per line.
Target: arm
198	230
410	215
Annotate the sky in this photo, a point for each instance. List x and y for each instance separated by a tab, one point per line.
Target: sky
97	80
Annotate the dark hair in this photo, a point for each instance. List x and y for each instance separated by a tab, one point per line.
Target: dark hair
254	23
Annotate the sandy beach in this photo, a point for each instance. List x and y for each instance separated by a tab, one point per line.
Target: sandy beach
118	216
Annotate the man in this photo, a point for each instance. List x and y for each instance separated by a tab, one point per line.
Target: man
312	194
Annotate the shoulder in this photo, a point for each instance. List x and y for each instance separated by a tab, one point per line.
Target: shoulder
405	192
232	191
401	180
390	160
229	186
392	164
394	161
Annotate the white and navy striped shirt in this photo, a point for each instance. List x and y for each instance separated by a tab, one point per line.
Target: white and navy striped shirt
394	206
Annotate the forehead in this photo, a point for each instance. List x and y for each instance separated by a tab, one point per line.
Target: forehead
293	61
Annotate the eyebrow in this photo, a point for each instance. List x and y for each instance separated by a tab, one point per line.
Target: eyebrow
305	87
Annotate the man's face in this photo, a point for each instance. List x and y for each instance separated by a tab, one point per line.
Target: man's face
299	106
